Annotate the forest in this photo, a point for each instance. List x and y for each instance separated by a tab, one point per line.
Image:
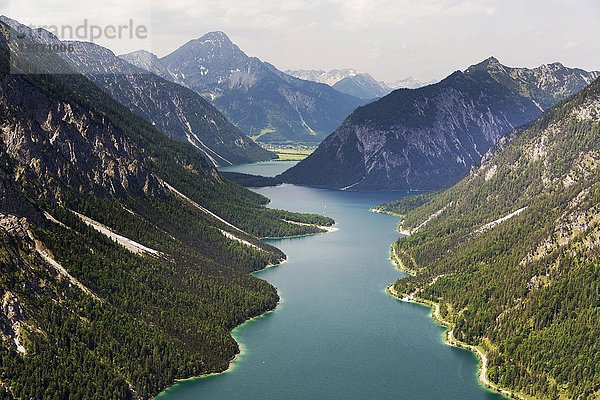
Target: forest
84	317
512	254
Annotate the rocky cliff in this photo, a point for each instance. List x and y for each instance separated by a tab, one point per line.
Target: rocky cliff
429	138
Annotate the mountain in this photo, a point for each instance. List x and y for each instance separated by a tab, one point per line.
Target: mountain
146	61
431	137
265	103
362	86
410	83
511	254
348	80
177	111
330	77
124	255
545	85
355	83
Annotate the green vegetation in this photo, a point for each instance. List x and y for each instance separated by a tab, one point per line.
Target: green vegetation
114	324
263	132
526	288
252	181
292	154
402	206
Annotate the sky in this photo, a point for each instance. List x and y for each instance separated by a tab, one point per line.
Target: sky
390	39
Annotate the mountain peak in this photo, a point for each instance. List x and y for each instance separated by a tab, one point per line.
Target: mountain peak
218	36
555	66
491	60
490	63
140	53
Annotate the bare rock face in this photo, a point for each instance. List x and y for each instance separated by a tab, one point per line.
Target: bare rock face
178	112
50	139
10	307
429	138
11	317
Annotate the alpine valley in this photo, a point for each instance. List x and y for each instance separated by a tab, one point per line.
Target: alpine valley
429	138
148	204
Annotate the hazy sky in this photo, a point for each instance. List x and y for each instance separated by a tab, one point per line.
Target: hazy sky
390	39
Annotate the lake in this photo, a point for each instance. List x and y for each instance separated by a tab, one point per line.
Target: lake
336	333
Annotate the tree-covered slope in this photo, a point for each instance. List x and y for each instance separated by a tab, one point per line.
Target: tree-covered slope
124	255
512	254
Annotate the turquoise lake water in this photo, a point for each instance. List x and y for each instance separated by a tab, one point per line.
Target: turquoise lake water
336	334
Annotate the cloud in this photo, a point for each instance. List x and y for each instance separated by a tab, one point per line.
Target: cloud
361	14
388	38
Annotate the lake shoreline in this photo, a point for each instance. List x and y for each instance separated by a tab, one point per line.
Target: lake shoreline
265	369
237	355
325	229
449	337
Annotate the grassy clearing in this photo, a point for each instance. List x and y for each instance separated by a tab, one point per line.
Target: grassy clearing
263	132
292	154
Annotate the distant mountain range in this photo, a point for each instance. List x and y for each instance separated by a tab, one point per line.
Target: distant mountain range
265	103
362	86
358	84
330	77
410	83
431	137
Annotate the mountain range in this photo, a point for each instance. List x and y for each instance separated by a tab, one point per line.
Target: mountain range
511	253
429	138
176	110
358	84
410	83
265	103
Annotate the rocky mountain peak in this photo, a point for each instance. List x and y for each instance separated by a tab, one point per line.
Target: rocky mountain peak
218	36
141	55
491	61
215	41
490	64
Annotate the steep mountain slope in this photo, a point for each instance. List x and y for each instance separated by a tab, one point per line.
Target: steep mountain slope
416	139
512	254
262	101
177	111
430	137
124	256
